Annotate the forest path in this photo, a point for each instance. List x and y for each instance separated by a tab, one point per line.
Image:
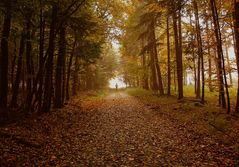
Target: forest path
118	130
125	132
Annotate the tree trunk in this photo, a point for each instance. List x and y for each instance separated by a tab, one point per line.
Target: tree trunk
198	92
215	58
195	73
13	62
169	59
209	58
236	32
29	71
200	53
41	60
58	101
220	60
160	80
177	35
229	69
154	84
75	77
179	58
174	80
4	56
19	72
155	54
69	71
64	79
194	57
145	73
48	86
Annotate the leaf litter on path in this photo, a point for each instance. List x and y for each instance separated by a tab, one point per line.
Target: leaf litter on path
116	131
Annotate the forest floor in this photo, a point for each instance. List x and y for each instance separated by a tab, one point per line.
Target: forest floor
122	130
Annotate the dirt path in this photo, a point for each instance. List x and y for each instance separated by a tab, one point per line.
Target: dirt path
127	133
120	131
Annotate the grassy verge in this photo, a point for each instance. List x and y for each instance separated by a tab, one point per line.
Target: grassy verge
211	96
93	94
138	92
202	119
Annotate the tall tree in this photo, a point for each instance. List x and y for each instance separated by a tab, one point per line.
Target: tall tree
169	58
48	86
236	33
220	58
59	84
5	54
19	70
177	39
228	67
29	65
40	76
69	68
155	57
209	53
200	53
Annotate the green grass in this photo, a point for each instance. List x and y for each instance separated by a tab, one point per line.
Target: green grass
103	92
95	94
138	92
188	92
211	96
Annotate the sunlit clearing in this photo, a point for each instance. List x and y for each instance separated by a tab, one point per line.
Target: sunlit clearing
118	81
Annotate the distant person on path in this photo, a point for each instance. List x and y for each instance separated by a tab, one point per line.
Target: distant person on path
116	86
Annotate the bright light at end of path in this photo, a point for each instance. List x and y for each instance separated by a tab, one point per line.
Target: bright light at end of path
117	81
